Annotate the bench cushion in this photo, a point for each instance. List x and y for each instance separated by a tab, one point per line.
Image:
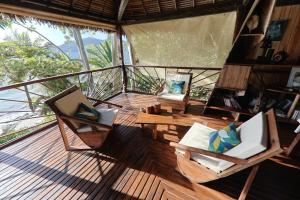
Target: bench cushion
176	97
253	135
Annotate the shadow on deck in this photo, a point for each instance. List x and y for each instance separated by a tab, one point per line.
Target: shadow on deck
129	166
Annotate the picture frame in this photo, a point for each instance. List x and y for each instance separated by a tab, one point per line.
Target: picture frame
276	30
294	78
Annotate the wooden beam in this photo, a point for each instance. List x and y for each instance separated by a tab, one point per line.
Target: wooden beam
53	9
122	8
220	7
51	16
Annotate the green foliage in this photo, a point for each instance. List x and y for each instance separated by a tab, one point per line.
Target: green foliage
100	55
22	59
4	23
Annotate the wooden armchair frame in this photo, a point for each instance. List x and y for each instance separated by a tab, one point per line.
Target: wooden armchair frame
200	174
177	105
94	138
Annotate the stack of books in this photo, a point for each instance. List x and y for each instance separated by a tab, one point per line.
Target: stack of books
231	102
296	115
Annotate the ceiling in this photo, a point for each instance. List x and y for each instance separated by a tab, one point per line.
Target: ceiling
127	11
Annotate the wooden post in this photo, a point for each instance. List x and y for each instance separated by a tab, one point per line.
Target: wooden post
121	57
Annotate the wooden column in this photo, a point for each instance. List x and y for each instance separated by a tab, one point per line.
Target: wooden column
121	57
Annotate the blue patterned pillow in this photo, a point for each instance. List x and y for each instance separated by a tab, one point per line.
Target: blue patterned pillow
223	139
85	112
176	87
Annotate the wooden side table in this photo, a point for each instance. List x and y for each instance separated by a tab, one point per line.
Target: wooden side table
154	120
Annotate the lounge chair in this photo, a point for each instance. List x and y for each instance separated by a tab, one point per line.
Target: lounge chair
176	101
259	141
92	133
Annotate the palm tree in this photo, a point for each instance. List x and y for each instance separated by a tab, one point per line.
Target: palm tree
101	55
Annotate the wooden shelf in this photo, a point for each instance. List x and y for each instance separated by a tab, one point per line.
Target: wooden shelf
282	91
287	120
228	109
251	34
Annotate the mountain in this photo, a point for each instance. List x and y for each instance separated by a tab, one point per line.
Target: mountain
71	48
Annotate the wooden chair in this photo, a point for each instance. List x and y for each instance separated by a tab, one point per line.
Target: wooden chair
93	134
176	101
259	141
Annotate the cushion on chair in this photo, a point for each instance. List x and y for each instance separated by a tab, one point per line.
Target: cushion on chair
176	97
253	135
177	77
176	87
108	117
223	139
68	104
87	113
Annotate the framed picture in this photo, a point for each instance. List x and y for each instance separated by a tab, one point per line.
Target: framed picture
294	79
276	30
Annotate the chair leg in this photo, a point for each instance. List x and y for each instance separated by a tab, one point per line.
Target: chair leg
249	182
65	138
63	133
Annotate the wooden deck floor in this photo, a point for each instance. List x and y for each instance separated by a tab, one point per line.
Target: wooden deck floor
130	166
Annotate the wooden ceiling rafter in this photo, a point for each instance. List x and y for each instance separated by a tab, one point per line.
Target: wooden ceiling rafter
218	7
144	7
121	10
89	6
127	11
175	4
159	8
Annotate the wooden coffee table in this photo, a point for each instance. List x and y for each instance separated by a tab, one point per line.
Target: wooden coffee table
154	120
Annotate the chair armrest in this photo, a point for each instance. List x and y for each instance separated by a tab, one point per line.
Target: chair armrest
160	88
106	102
209	153
84	121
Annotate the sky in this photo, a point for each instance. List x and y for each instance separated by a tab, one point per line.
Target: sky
54	35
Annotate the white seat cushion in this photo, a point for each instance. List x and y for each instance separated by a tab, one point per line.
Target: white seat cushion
176	97
253	135
107	117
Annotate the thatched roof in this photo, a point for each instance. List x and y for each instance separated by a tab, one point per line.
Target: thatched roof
120	11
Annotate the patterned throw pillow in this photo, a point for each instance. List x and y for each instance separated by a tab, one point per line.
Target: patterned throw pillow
223	139
85	112
176	87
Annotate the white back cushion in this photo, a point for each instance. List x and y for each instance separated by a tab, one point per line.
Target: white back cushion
68	104
253	135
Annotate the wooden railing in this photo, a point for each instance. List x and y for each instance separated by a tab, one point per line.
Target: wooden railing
22	108
148	79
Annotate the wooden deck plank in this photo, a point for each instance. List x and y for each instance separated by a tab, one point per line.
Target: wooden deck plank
130	166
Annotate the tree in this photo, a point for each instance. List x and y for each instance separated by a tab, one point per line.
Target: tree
101	55
24	59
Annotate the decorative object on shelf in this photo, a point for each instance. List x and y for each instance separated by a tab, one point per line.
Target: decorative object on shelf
276	30
267	51
157	108
252	23
257	104
280	56
294	78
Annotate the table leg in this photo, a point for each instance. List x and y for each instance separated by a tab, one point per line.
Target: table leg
154	134
142	126
293	145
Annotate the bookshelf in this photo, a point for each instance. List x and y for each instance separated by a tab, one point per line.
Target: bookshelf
294	96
